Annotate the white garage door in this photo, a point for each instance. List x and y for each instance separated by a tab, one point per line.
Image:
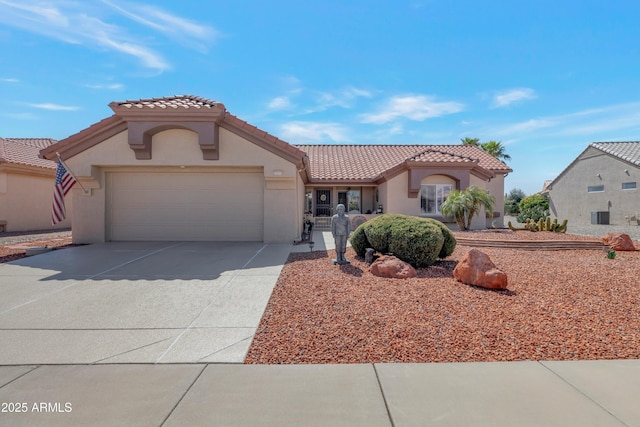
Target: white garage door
177	206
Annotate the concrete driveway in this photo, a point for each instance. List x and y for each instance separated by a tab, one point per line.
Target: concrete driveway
137	302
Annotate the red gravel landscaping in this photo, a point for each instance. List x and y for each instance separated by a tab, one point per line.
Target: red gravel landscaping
560	305
14	251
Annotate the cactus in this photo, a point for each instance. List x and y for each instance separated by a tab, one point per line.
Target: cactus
563	228
541	225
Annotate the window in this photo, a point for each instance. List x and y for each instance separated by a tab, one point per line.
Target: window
629	185
350	199
353	201
432	196
595	188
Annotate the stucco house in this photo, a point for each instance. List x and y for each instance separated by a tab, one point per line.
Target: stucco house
600	186
26	186
184	168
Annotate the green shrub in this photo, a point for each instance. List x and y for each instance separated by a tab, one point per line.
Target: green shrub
449	243
533	207
359	241
417	241
378	229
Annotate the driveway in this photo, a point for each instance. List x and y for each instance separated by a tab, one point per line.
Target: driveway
137	302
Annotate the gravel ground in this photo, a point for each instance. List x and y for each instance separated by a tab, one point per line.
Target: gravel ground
13	245
560	305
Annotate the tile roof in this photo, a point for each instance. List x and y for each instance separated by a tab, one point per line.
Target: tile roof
624	150
24	151
170	102
369	162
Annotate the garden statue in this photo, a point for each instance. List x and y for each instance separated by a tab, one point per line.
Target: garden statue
340	228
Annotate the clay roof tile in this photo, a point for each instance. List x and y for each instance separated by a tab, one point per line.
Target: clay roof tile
24	151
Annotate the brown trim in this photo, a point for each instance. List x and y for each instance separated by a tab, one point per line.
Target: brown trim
85	139
140	137
415	176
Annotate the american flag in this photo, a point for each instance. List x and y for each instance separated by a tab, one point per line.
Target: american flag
64	182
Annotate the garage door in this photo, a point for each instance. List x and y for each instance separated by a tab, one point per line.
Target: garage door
177	206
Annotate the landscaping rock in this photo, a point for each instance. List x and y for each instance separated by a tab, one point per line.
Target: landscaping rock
392	267
618	242
476	268
369	256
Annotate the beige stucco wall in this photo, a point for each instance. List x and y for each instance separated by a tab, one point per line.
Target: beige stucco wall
26	200
180	148
394	194
496	188
569	198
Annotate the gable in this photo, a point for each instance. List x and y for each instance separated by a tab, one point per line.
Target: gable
626	153
142	120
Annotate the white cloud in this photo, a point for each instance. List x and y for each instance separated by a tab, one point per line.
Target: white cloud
21	116
82	23
109	86
280	103
170	25
344	98
9	80
302	131
503	99
593	124
54	107
412	107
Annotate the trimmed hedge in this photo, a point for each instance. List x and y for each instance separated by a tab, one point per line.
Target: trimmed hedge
418	241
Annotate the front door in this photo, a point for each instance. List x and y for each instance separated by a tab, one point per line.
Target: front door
323	203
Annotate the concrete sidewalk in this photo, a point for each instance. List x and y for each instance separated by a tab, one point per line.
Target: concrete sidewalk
586	393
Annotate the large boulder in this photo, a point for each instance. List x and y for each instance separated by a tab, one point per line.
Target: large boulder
390	266
476	268
618	242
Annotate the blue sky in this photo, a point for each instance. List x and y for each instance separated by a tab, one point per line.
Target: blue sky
545	78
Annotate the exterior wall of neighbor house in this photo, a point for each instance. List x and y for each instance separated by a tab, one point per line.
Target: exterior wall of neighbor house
570	199
178	148
26	198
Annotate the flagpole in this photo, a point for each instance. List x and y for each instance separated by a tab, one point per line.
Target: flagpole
71	173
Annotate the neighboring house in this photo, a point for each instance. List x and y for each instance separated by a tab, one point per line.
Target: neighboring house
600	186
26	186
184	168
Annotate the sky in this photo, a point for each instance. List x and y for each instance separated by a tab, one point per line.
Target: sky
545	78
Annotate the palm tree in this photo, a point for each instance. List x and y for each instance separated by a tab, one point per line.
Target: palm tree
470	141
477	199
496	149
455	206
463	205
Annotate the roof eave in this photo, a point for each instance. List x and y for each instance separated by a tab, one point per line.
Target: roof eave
85	139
